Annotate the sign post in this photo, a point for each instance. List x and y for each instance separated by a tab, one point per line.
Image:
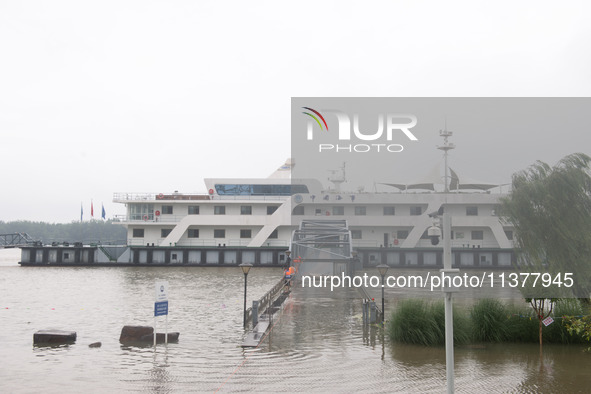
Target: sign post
161	307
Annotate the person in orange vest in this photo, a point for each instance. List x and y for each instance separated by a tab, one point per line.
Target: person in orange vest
288	274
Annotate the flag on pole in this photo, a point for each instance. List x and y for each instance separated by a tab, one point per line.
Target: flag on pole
81	211
104	214
91	209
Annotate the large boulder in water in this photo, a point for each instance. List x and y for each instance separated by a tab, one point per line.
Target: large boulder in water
136	334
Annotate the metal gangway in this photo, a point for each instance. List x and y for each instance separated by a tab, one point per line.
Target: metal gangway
16	240
323	246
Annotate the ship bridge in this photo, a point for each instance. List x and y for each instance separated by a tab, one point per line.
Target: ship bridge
323	247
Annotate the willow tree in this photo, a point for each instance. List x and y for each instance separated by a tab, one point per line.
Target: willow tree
550	210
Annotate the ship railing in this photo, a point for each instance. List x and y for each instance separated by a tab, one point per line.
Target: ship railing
456	244
149	196
205	242
166	197
134	196
150	218
182	242
245	242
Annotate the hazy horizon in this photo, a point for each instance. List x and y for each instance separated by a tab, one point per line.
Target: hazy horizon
141	96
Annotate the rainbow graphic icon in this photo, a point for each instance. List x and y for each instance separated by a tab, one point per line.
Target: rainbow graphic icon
315	118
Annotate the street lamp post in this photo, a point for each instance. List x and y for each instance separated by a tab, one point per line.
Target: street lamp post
245	268
383	268
447	263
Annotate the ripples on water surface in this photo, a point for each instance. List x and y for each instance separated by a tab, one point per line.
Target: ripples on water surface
318	344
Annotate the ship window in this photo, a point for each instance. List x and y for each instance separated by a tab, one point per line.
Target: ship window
274	234
219	210
141	212
164	232
299	210
338	210
193	233
389	211
360	211
219	233
509	234
245	233
415	211
356	234
471	211
193	209
402	234
477	235
138	233
318	211
259	190
167	209
271	209
173	256
246	210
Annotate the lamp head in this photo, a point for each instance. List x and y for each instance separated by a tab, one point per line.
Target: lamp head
245	267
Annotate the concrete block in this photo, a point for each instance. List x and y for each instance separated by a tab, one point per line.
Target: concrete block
53	337
135	333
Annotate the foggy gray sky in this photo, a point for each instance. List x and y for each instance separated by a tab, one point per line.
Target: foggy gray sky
154	96
494	137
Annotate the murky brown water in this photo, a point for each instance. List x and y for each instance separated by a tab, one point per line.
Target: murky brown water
319	343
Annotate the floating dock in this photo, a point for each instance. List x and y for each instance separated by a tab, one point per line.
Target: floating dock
69	254
77	254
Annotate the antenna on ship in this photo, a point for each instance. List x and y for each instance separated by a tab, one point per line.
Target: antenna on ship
447	146
337	177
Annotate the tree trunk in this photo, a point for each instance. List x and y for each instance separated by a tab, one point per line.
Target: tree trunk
540	323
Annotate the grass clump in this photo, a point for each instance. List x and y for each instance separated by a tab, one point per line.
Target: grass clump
423	323
522	325
489	321
412	322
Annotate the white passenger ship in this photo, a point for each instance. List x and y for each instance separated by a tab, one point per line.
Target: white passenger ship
253	221
249	217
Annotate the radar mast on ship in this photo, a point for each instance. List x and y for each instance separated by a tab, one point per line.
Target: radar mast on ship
337	177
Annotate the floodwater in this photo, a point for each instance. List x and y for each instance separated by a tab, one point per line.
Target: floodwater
318	344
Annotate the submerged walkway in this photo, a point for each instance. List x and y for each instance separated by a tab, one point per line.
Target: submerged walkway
273	301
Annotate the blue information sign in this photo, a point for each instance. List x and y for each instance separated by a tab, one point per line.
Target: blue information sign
161	308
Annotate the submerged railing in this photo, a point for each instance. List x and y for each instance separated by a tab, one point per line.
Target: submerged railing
265	301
